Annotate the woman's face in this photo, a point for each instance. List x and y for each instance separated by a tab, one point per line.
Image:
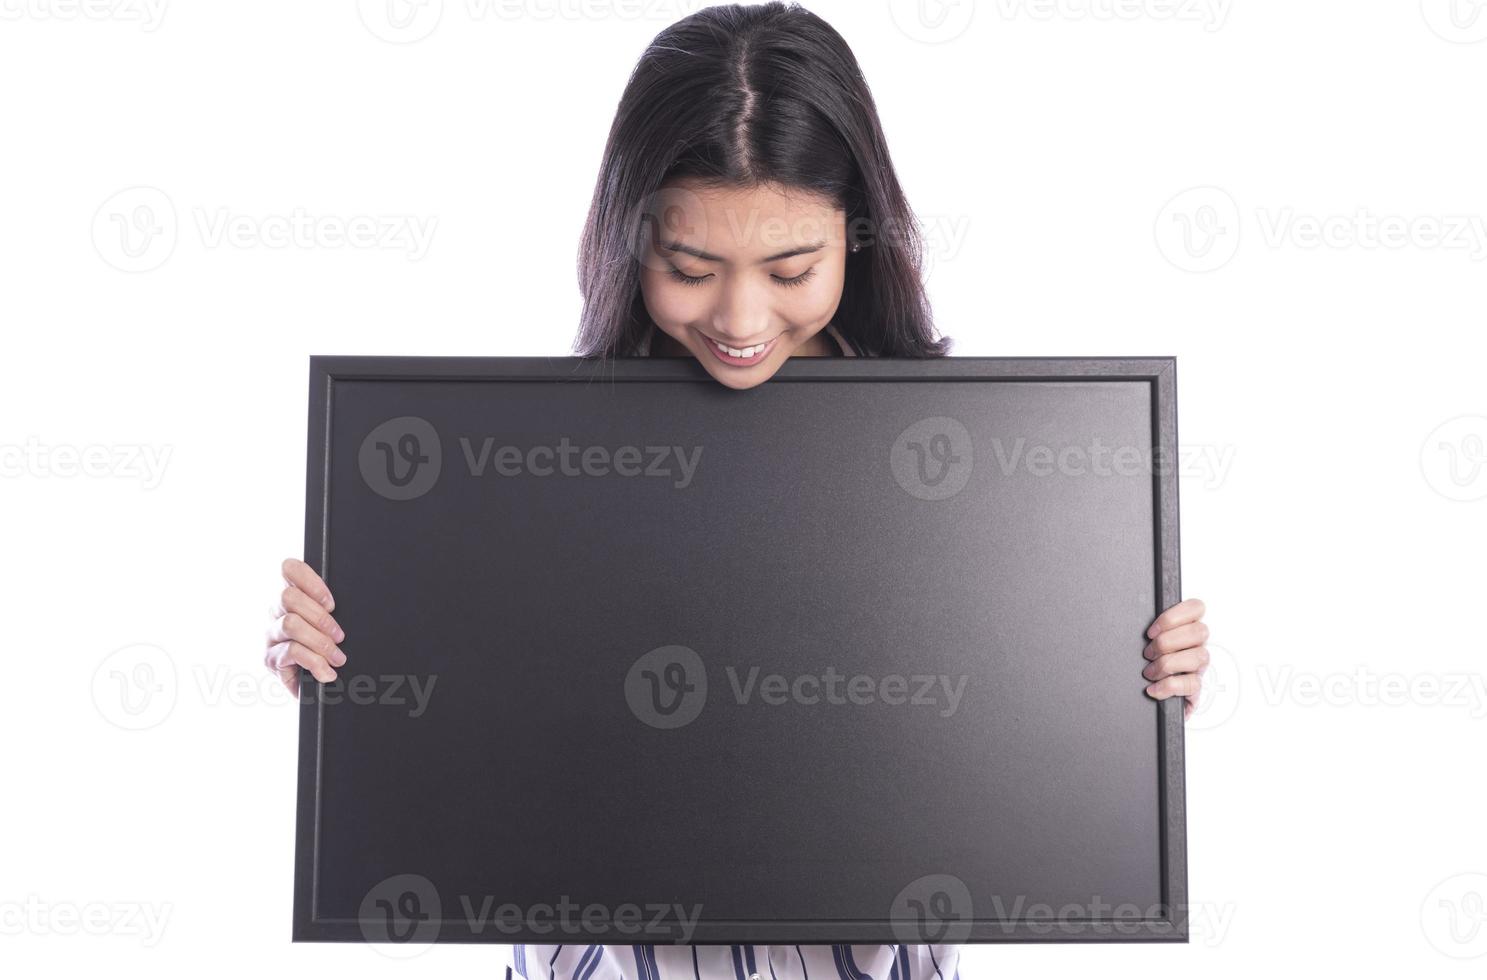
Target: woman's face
758	271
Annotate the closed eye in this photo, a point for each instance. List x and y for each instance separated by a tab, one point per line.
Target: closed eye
685	279
682	277
799	280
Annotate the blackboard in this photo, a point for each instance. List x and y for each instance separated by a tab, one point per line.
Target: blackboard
634	657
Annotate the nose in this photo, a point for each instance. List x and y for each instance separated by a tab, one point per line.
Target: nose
741	315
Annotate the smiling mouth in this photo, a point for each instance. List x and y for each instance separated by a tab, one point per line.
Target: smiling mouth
739	356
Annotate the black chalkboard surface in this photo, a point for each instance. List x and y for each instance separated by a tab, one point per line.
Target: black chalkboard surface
635	657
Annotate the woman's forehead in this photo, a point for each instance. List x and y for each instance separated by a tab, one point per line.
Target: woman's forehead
756	222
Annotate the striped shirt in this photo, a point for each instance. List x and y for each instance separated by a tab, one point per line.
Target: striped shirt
676	962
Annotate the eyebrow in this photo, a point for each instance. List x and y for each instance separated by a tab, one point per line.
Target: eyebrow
709	257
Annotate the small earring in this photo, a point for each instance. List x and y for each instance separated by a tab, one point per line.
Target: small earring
856	248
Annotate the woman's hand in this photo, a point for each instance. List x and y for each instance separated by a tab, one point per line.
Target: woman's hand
1177	653
303	633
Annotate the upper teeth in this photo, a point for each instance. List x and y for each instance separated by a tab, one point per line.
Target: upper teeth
737	352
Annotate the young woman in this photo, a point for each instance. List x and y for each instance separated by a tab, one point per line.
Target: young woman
746	212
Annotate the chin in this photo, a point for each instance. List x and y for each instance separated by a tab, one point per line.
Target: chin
737	376
740	378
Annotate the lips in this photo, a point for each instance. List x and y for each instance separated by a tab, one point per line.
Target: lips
722	353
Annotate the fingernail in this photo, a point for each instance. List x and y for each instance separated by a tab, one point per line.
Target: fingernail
1152	631
340	634
1151	689
338	658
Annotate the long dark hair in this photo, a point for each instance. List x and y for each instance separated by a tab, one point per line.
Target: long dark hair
739	96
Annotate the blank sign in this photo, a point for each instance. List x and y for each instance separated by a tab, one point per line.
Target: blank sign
634	657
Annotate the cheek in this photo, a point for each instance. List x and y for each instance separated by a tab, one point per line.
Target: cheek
669	301
816	301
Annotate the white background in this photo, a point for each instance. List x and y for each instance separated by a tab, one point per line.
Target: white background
1323	292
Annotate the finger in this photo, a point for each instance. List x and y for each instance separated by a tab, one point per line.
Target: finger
288	675
1186	611
291	655
303	577
294	627
294	600
1189	707
1178	638
1186	684
1191	660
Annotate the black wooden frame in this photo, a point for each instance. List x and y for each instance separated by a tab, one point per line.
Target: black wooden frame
1160	373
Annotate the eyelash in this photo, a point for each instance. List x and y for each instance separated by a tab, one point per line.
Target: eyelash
799	280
